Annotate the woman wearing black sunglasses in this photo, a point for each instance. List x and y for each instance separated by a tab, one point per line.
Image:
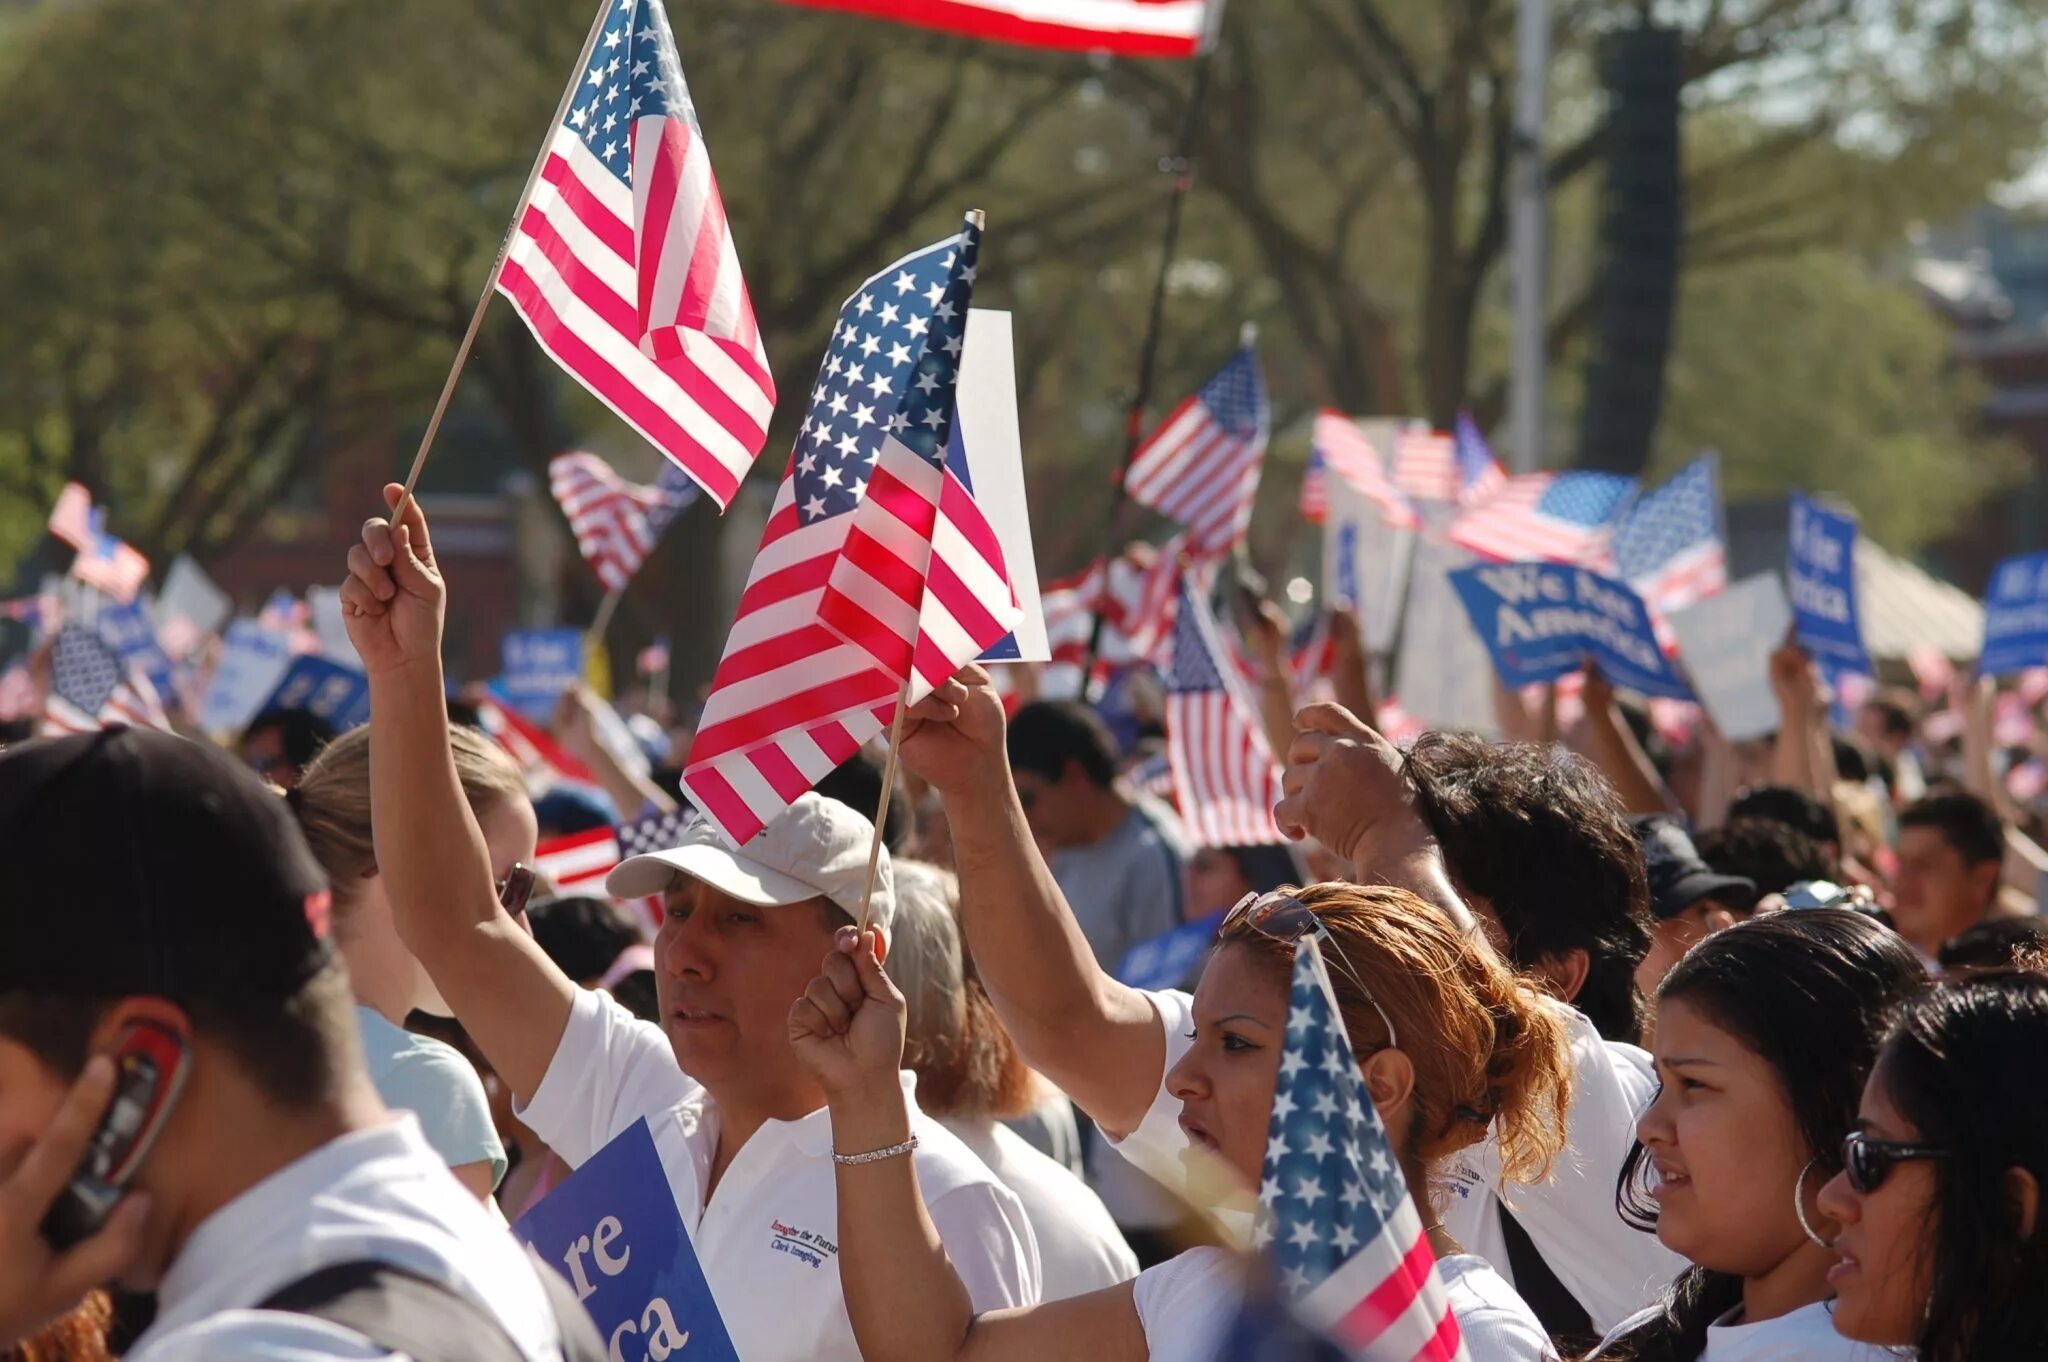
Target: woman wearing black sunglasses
1943	1247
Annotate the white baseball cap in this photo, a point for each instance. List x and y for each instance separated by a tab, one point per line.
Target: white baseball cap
817	849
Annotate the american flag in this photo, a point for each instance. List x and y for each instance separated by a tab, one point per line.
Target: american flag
1351	456
1315	489
1224	775
1669	544
1479	473
540	759
1127	28
91	688
577	863
793	697
104	563
1426	464
623	267
1548	517
1336	1212
616	522
1201	466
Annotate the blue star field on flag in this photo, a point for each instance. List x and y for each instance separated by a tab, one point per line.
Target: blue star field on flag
891	369
1684	513
634	73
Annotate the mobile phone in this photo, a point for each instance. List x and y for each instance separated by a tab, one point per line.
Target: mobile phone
151	1062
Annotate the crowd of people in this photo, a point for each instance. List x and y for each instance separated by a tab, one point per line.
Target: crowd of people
1684	1049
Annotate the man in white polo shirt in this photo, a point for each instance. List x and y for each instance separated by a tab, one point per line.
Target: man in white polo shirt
741	1129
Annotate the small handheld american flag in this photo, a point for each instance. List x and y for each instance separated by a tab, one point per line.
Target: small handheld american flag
622	263
104	563
1669	545
92	688
1336	1213
616	522
1350	455
1547	517
1225	779
1201	467
825	633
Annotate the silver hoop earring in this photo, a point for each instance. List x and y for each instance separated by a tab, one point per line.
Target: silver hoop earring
1799	1205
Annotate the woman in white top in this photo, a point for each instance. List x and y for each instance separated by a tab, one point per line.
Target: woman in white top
1450	1042
1765	1033
1944	1242
971	1079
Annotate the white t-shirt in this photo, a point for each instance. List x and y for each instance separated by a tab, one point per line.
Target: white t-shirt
1187	1305
1610	1268
1497	1324
1804	1335
612	1069
1080	1248
380	1195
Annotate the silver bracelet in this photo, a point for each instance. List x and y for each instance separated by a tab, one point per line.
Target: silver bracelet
894	1151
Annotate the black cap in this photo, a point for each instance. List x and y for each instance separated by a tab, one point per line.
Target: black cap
138	863
1678	877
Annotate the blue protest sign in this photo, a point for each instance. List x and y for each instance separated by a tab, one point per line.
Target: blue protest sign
1821	572
1345	594
129	631
1541	620
2016	617
338	694
538	665
1170	959
612	1231
252	661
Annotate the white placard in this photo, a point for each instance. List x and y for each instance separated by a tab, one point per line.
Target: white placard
987	407
189	594
1726	643
323	603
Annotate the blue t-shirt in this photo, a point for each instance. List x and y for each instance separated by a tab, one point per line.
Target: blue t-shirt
437	1085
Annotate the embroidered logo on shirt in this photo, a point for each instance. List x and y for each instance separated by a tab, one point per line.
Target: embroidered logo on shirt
806	1246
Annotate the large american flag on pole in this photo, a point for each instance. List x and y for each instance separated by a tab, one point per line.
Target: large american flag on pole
92	688
1201	466
1548	517
1224	777
616	522
1335	1212
623	267
1127	28
794	695
1670	545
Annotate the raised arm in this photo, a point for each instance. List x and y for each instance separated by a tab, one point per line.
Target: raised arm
575	727
1099	1040
905	1299
437	871
1606	740
1350	668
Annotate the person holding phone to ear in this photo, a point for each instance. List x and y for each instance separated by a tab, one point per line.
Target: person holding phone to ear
179	1060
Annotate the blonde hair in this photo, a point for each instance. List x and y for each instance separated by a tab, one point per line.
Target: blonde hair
965	1062
1488	1049
332	800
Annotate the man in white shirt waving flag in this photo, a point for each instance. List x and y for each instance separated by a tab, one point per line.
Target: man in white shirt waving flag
877	575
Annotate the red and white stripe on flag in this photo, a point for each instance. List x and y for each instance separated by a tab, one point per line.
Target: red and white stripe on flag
71	517
921	586
1351	456
1225	779
578	863
622	264
133	704
1128	28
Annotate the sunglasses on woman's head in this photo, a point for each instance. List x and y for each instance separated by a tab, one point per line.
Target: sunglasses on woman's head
515	889
1286	919
1868	1162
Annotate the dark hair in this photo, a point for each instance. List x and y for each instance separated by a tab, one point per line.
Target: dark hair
302	732
295	1050
1962	1063
583	934
1807	992
857	783
1853	758
1796	809
1775	855
1265	868
1542	837
1045	735
1897	710
1994	942
1965	822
